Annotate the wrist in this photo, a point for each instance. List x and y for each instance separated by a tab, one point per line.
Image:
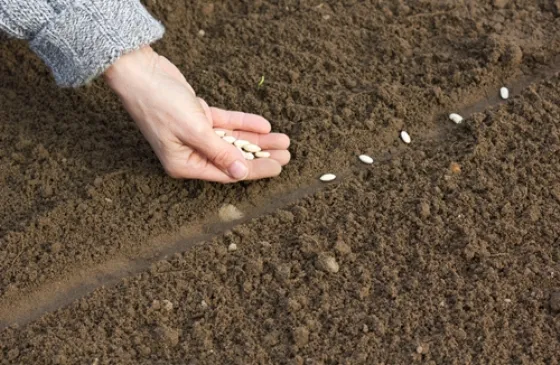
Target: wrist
130	69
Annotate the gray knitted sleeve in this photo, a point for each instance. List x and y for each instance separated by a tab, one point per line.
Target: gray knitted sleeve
79	39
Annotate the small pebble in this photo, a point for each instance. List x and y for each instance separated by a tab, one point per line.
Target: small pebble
405	137
248	156
327	177
156	305
327	263
97	182
229	139
455	167
232	247
229	213
262	154
240	143
251	148
504	93
366	159
167	305
301	336
220	133
203	304
456	118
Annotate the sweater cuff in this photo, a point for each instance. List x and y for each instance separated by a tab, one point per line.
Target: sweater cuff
87	37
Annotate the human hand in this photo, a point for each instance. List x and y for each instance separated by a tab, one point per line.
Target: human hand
180	127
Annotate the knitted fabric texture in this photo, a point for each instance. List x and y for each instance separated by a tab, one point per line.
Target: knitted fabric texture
79	39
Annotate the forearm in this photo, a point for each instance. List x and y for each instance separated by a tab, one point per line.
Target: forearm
79	39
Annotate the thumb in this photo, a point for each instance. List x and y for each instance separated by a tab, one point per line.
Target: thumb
223	155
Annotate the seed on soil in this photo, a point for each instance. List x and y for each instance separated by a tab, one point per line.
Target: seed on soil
220	133
248	156
327	263
366	159
327	177
229	139
262	154
251	148
203	304
456	118
240	143
405	137
232	247
504	93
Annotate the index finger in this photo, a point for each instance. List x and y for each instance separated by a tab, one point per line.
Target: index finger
239	121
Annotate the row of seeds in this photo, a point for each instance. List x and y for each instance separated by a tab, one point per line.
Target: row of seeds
405	137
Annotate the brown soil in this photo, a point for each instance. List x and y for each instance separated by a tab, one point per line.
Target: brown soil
437	263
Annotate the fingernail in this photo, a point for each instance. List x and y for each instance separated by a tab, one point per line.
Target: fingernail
238	170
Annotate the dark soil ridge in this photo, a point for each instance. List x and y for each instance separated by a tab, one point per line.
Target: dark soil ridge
25	307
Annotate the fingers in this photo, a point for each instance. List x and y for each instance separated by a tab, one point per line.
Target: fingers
281	156
258	169
223	155
196	167
237	120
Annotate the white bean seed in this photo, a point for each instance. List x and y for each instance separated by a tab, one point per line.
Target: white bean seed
405	137
248	156
232	247
241	142
366	159
262	154
504	93
220	133
456	118
327	177
229	139
251	148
